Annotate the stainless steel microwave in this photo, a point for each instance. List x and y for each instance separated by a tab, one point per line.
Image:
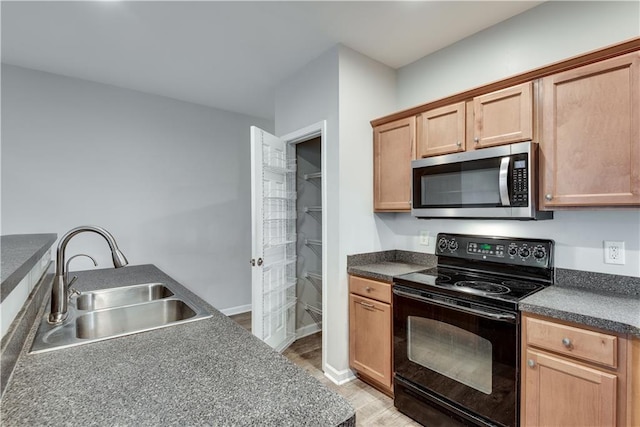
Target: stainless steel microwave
496	182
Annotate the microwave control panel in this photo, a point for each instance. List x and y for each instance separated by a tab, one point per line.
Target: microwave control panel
504	250
519	195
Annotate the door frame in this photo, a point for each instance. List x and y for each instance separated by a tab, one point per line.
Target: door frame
315	130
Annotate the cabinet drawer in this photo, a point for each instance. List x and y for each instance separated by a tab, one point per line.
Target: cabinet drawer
579	343
370	288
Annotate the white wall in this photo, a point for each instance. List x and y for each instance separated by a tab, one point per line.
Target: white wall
347	89
545	34
308	97
169	179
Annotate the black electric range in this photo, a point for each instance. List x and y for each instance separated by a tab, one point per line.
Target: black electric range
496	271
456	329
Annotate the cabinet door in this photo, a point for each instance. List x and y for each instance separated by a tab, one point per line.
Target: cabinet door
442	131
503	117
370	339
590	147
393	150
559	392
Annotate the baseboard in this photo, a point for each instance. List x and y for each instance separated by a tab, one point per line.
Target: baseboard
236	310
339	377
307	330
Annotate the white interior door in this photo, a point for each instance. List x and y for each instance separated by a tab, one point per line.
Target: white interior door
273	218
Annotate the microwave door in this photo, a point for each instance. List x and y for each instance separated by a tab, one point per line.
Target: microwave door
477	188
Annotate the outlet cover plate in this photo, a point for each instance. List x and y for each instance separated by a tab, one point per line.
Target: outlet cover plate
613	252
424	237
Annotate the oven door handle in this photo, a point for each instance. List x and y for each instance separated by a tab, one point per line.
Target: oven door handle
503	317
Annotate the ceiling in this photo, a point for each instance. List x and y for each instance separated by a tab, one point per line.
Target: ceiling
228	55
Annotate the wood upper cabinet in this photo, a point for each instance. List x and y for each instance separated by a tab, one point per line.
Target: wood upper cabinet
393	149
574	376
590	146
370	332
501	117
442	131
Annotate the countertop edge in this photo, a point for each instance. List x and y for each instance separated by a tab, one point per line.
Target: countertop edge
13	279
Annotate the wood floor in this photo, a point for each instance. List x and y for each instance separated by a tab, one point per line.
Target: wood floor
373	408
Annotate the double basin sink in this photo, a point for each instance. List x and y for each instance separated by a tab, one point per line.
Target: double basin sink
115	312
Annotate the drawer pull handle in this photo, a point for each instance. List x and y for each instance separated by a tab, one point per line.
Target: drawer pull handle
365	305
531	363
566	342
368	289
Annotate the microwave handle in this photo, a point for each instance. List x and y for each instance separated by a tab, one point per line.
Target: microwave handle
503	178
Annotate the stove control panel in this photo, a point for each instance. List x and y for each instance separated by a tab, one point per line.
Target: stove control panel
505	250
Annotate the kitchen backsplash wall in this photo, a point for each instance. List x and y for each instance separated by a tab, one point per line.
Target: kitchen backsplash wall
578	235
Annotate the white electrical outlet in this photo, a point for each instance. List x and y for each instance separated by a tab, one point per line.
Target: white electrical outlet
424	237
613	252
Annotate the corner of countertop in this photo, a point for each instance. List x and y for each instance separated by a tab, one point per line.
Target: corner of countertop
19	254
384	265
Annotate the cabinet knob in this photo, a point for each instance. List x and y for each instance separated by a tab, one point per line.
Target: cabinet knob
548	196
459	144
566	342
476	139
531	363
368	289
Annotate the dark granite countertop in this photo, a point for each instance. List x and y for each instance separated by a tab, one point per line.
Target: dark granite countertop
386	264
208	372
606	301
20	253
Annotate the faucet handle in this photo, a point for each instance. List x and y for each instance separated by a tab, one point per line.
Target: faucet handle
73	291
71	282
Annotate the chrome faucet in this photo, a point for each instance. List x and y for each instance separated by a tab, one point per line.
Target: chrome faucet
60	289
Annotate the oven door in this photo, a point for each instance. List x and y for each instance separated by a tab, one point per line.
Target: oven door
460	356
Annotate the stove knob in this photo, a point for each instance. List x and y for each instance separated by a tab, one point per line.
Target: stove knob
539	252
453	245
524	252
442	244
513	250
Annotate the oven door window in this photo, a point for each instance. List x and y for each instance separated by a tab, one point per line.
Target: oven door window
465	184
451	351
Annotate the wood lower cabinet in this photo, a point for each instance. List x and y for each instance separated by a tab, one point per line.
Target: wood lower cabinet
497	118
393	149
573	376
370	332
633	398
590	147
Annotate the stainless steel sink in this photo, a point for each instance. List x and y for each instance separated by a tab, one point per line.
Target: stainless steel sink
116	312
133	318
126	295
